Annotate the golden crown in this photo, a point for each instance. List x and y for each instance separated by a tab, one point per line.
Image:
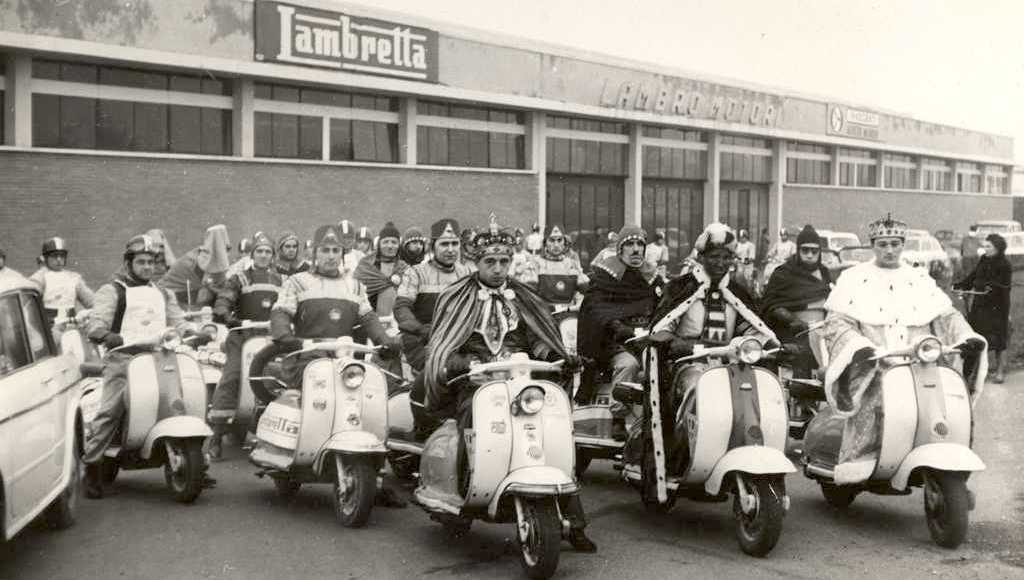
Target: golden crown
493	240
887	228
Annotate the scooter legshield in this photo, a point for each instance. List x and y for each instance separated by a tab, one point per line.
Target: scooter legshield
439	474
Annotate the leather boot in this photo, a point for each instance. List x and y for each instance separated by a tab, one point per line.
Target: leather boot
93	481
580	542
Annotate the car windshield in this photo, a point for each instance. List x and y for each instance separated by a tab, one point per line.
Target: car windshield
913	245
856	254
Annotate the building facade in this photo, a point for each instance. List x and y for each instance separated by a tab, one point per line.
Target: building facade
266	115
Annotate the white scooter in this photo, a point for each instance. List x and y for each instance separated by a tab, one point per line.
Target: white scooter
513	465
925	440
164	422
246	410
728	435
332	431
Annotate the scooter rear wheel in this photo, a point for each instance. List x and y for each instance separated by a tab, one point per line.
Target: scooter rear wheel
539	535
355	487
758	532
946	504
184	472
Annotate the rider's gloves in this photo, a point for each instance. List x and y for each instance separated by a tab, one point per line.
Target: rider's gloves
457	365
112	340
391	348
232	322
201	338
680	347
863	354
288	342
771	344
620	332
424	330
797	326
792	349
972	345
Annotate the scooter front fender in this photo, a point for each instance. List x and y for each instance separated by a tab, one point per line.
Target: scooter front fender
181	427
359	442
941	456
538	480
753	459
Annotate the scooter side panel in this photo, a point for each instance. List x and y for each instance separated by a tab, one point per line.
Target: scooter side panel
899	420
708	421
374	393
143	400
491	452
400	420
772	407
193	388
951	407
319	394
246	398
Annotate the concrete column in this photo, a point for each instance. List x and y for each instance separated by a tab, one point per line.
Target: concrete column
920	173
635	177
18	101
536	150
835	166
880	164
712	186
243	118
775	190
407	153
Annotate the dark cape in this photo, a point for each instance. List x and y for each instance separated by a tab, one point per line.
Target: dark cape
682	288
457	315
794	288
989	315
368	273
615	293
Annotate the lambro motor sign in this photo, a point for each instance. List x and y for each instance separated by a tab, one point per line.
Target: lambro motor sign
294	34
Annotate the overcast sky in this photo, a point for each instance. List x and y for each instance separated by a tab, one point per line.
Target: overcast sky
957	62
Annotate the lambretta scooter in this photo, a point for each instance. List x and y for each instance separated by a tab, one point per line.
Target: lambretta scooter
803	389
164	422
332	431
515	464
245	413
210	356
71	338
926	420
727	437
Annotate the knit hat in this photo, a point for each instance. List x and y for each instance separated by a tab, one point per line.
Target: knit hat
412	234
716	235
446	228
286	236
630	233
808	236
261	240
389	231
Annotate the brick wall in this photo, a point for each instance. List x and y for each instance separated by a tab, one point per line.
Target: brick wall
850	210
98	202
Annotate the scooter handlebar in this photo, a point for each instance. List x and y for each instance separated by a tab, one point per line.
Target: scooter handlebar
333	345
508	365
203	312
251	325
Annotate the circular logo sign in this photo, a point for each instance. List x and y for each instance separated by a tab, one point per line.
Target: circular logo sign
836	119
334	314
560	285
266	303
396	279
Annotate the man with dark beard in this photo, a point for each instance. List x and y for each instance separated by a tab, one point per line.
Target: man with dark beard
381	272
620	299
795	296
414	246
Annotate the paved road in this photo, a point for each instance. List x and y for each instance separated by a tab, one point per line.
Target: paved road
242	530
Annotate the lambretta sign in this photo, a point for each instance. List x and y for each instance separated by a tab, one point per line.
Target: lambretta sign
301	35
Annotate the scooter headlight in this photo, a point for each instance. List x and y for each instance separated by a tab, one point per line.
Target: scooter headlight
928	350
531	400
170	340
750	351
352	376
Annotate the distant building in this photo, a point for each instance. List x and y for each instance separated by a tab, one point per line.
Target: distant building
268	115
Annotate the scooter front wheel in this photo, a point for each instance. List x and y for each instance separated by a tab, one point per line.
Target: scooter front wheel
539	534
355	486
758	529
183	470
946	504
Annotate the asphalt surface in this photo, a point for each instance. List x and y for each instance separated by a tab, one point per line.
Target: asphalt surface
242	529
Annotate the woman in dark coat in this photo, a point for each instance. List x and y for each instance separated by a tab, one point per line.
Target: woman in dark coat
990	312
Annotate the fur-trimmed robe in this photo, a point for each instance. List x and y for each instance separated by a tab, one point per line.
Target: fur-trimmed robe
682	293
886	309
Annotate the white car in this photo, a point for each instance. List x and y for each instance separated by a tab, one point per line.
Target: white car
838	240
922	250
40	430
1000	227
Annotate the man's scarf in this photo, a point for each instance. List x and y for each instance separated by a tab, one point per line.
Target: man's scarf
615	293
369	274
794	288
457	316
681	293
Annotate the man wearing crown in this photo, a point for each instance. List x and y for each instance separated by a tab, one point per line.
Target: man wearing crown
489	316
422	284
554	273
882	305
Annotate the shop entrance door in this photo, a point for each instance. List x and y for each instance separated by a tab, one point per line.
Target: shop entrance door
582	204
676	209
744	206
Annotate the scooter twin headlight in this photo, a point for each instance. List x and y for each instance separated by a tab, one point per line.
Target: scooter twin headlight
750	351
352	376
530	400
928	350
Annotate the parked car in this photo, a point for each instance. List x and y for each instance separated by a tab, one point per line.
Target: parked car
850	256
952	242
1015	249
987	227
922	250
40	431
838	240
